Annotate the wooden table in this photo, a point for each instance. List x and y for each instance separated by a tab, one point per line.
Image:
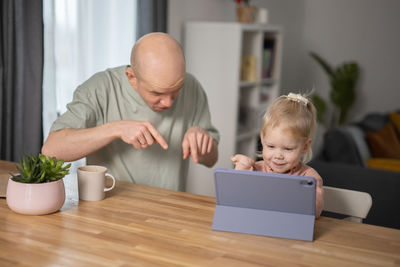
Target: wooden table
6	168
138	225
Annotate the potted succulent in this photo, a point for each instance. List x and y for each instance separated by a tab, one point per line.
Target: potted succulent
38	188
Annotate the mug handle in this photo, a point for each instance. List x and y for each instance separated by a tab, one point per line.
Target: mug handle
113	185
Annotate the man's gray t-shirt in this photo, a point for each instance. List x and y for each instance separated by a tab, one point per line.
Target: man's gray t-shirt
108	96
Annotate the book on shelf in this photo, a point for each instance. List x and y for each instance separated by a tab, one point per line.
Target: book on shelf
268	57
248	68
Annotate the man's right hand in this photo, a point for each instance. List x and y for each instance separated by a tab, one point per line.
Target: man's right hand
74	144
141	134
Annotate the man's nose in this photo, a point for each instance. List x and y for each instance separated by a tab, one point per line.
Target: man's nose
167	101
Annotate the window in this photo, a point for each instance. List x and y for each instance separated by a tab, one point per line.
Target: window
82	38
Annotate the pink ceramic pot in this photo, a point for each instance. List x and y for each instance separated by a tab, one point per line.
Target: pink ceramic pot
35	199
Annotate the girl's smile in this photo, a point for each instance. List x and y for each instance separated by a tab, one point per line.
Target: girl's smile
282	151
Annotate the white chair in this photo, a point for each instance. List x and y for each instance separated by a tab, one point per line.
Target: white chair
352	203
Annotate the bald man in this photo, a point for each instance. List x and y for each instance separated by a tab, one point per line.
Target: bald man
141	121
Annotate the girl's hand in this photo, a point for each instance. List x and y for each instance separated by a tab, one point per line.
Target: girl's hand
243	162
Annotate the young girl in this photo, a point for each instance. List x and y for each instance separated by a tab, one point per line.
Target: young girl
286	136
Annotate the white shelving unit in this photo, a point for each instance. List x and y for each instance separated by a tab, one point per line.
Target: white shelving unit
215	53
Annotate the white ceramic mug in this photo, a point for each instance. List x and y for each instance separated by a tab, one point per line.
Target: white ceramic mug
92	182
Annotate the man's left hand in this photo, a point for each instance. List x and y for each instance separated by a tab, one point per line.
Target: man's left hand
196	143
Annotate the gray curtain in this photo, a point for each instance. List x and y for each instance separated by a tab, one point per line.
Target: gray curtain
152	16
21	66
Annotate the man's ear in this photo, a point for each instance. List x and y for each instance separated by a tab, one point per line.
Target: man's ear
307	145
131	76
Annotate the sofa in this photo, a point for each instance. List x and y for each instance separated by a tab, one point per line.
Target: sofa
365	156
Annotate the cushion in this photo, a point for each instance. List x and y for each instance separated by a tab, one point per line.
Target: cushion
384	143
358	137
385	164
374	121
339	146
395	118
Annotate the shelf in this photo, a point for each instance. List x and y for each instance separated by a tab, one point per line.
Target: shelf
261	27
228	59
267	82
248	134
244	84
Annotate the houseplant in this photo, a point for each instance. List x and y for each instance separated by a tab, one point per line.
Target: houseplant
343	80
38	188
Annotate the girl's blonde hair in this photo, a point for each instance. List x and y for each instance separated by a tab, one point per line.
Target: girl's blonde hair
298	114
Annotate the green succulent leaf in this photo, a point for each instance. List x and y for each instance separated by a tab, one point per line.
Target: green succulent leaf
40	169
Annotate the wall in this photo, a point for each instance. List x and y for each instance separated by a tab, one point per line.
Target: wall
339	30
363	30
180	11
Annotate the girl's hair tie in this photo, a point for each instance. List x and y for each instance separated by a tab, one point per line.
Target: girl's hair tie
298	98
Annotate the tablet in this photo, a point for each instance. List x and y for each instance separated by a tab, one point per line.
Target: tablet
270	204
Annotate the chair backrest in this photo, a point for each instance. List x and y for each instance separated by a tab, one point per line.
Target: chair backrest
355	204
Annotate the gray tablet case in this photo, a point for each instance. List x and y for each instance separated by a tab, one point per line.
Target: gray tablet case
270	204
